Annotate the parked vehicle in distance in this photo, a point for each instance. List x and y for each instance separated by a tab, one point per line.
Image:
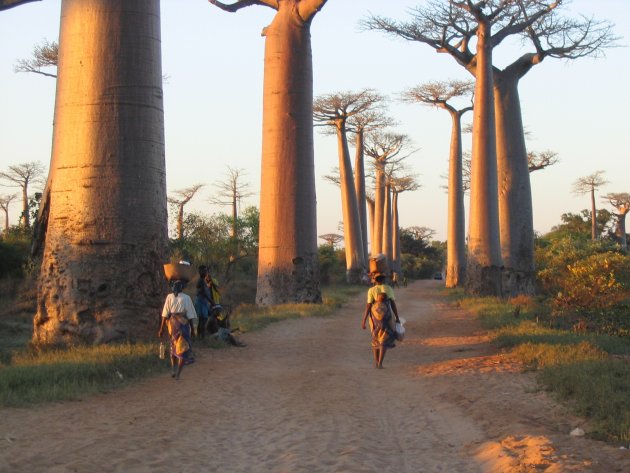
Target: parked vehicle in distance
437	276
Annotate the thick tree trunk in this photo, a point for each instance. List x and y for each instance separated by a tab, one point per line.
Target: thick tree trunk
456	234
355	264
396	263
359	187
387	246
287	263
25	218
6	220
621	232
101	277
593	216
371	212
483	272
180	221
379	209
516	219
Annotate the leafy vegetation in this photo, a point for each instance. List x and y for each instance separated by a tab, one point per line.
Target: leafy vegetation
576	333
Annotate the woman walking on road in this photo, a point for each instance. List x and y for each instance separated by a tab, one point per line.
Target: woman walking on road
383	314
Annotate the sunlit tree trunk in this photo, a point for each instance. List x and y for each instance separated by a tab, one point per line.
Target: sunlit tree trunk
483	272
287	264
359	186
379	209
387	226
355	264
593	216
516	217
456	232
396	263
370	206
101	276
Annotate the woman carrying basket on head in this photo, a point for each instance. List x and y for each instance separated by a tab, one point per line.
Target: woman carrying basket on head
178	315
383	314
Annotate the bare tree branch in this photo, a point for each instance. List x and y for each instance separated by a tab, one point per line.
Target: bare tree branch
6	4
44	55
538	161
243	4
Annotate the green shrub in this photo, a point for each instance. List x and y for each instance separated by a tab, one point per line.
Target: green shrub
595	282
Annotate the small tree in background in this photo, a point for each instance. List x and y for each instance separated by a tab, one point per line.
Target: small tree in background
621	203
24	175
588	185
5	202
179	199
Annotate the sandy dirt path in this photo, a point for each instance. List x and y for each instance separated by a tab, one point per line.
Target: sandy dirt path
304	397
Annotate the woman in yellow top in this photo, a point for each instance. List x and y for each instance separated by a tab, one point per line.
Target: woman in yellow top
383	313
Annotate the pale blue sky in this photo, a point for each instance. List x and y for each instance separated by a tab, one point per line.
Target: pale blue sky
213	101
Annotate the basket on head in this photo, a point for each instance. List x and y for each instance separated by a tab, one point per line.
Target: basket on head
378	264
178	271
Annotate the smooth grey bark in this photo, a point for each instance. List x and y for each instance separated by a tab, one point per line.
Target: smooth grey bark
355	262
484	265
516	214
101	277
456	231
396	253
288	269
359	186
387	245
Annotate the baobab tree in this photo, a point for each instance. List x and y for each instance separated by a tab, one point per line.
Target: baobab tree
588	185
441	95
383	148
179	199
331	238
287	262
620	201
544	159
399	184
5	202
44	55
103	214
359	124
333	111
450	27
23	175
232	191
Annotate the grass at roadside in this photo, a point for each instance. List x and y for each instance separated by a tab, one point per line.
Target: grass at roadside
590	372
28	376
251	317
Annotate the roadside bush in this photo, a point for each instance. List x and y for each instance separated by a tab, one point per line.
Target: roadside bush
14	256
598	281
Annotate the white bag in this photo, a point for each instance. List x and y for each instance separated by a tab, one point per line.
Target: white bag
400	330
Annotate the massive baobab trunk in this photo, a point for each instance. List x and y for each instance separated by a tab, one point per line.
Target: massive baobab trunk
355	262
483	272
516	218
359	187
287	264
101	276
456	233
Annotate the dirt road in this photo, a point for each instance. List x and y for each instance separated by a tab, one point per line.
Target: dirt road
304	397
